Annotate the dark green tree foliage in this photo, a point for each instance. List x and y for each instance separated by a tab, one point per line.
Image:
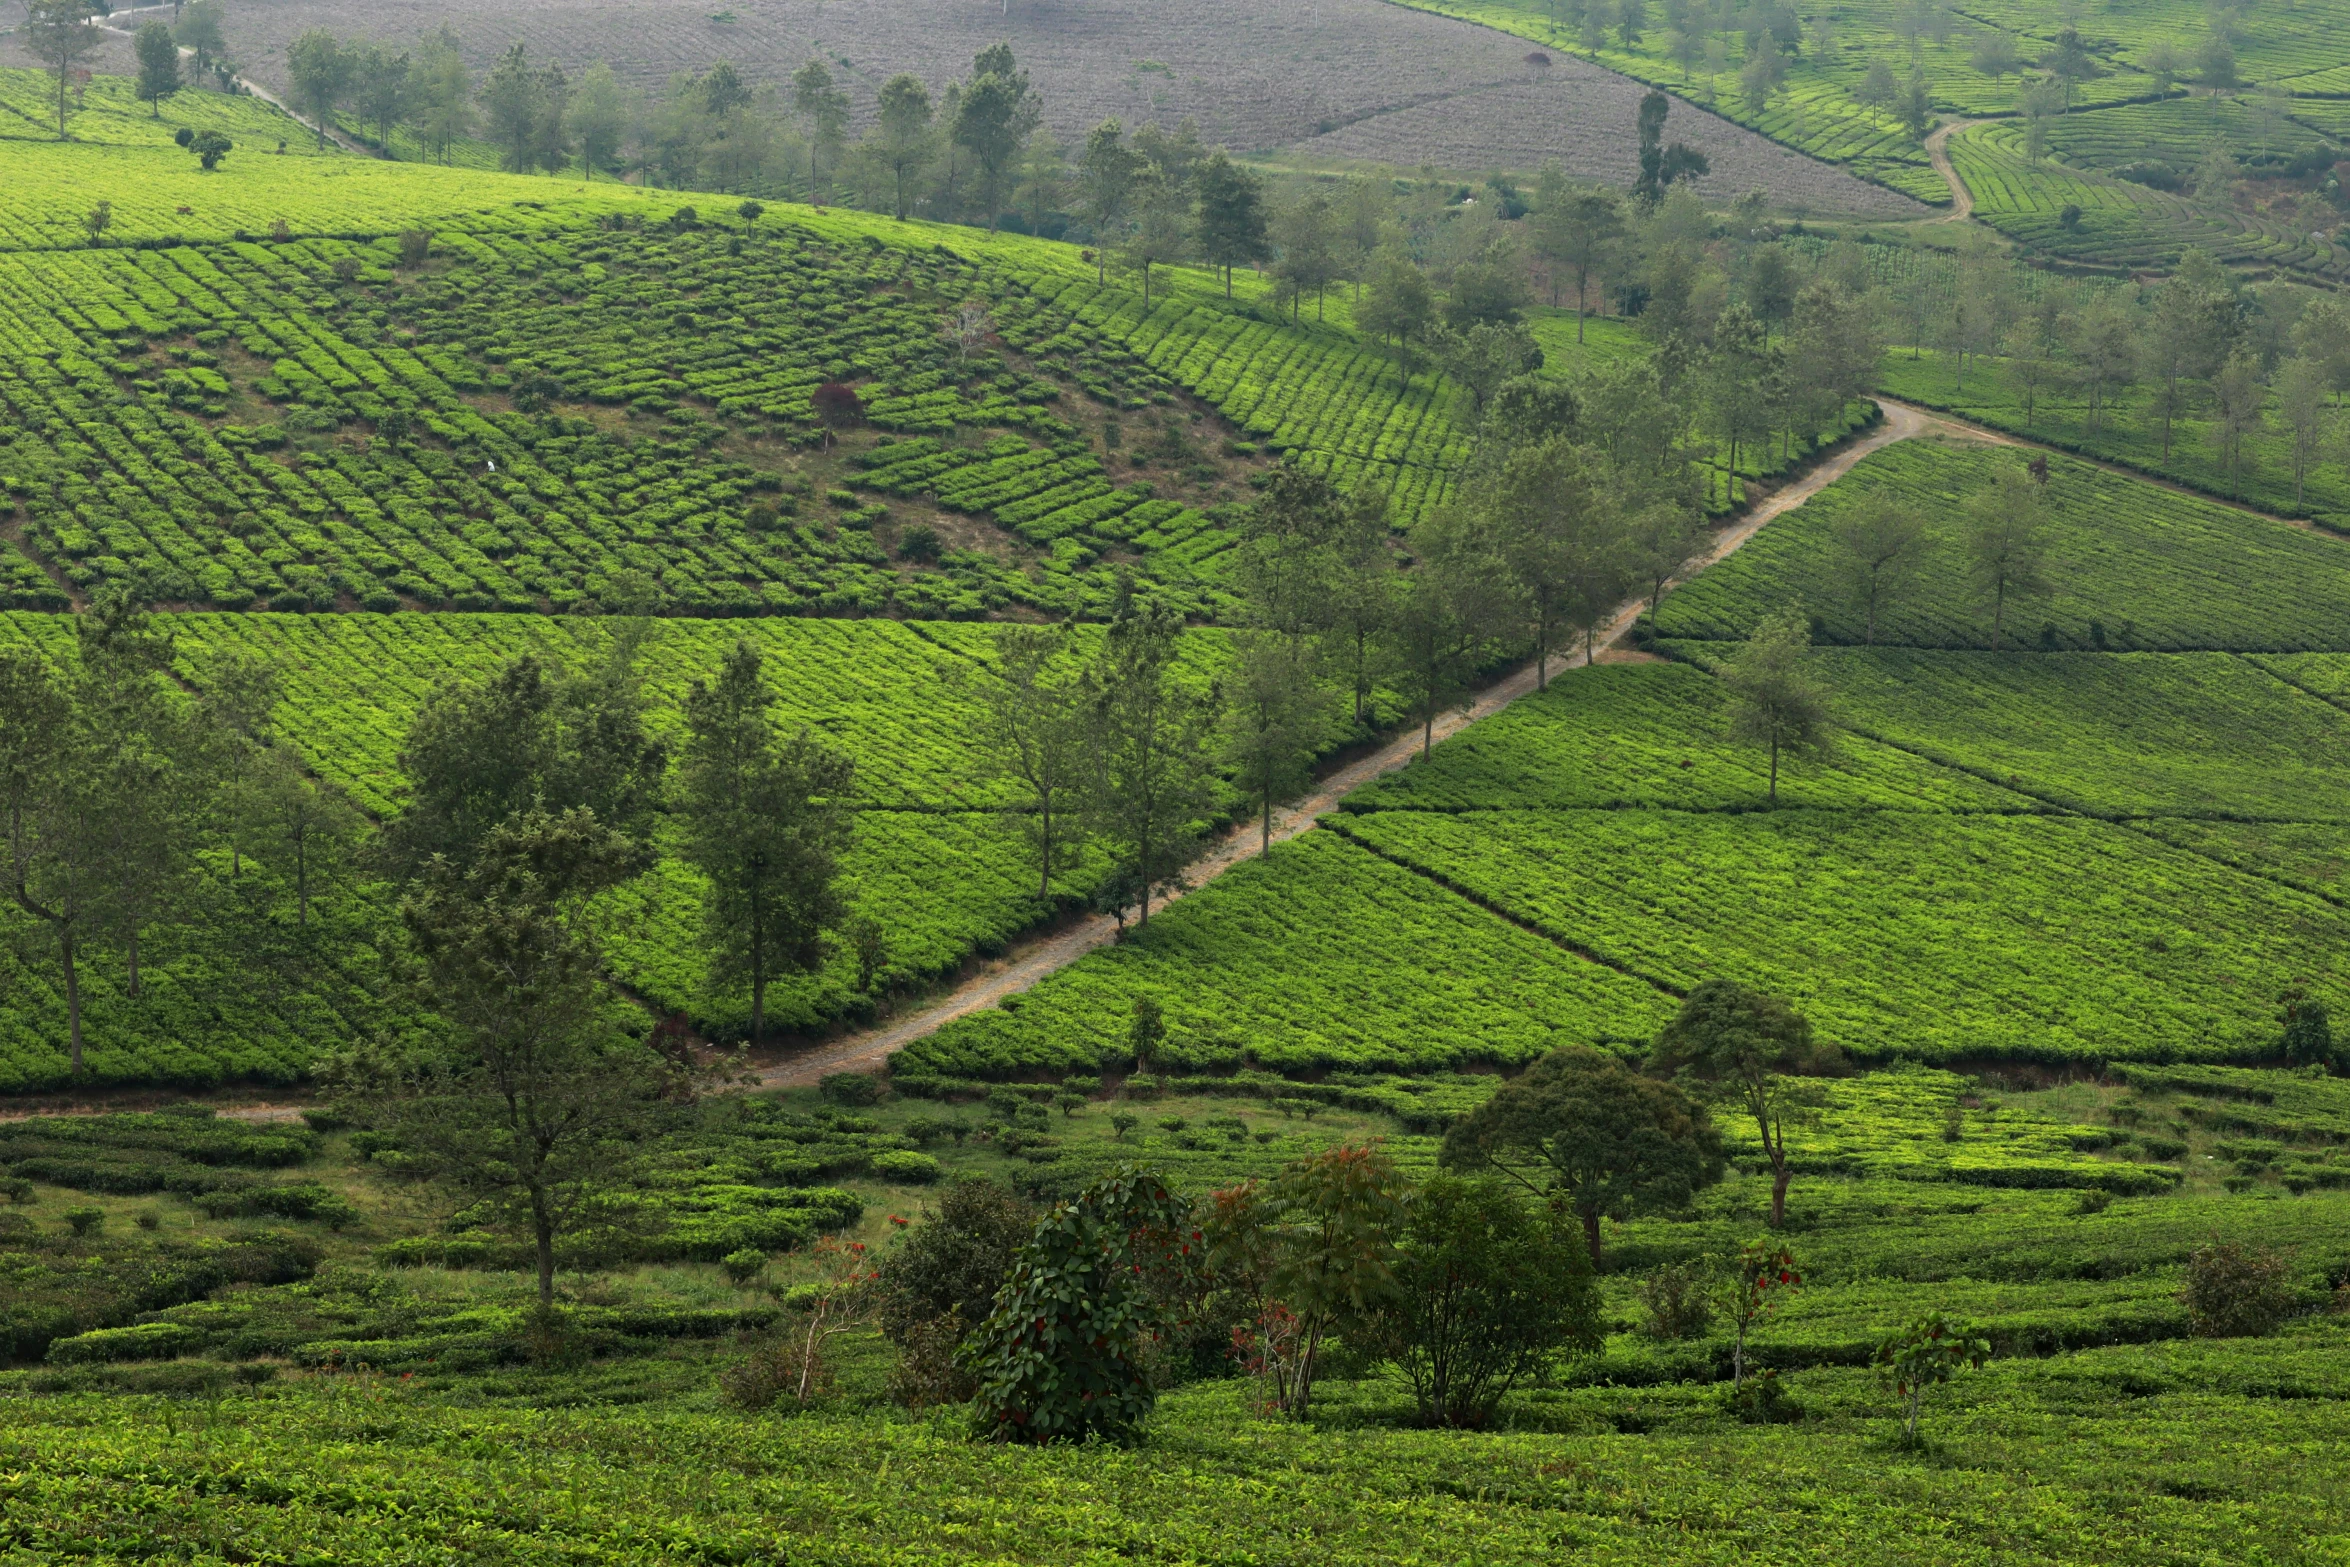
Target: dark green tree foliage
1059	1358
1581	1127
1233	229
1153	738
1758	1054
998	112
940	1283
159	65
2308	1038
1774	700
527	736
1488	1292
319	68
1275	721
523	110
766	821
537	1095
1662	165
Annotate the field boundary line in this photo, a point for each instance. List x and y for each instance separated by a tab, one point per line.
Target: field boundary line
870	1049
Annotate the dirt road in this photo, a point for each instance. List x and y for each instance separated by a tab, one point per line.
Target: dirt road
1962	200
1035	960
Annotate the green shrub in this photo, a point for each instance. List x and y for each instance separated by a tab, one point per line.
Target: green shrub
906	1167
1675	1300
145	1341
85	1221
743	1266
1487	1293
941	1281
852	1088
2236	1290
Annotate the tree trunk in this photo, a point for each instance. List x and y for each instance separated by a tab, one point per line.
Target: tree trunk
73	996
1780	1176
1591	1235
1265	846
542	1225
1044	875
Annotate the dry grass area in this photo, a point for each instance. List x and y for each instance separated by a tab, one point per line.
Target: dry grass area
1329	78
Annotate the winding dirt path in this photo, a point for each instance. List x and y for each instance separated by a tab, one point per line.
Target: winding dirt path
1962	200
1033	961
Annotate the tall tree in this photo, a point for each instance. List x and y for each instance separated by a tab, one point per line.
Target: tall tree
1398	306
1582	1127
383	89
1736	368
318	72
1582	232
824	109
2301	403
1759	1054
512	102
599	116
2238	393
1883	541
53	810
538	1096
1660	538
1361	595
2005	551
147	765
1285	560
1451	606
1162	229
1033	731
159	66
1276	719
1551	511
999	111
444	87
1152	734
483	751
1662	166
904	139
1106	174
2194	326
767	820
198	31
1231	212
1775	702
59	34
1305	232
306	827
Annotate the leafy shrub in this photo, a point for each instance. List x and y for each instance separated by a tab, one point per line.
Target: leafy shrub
942	1281
85	1222
1674	1300
1059	1357
743	1266
1486	1293
852	1088
144	1341
2236	1290
906	1166
1929	1350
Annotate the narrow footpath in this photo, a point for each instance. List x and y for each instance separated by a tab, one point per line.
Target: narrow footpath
1962	200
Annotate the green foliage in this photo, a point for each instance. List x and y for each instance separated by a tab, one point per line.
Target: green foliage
1927	1352
2236	1289
1057	1358
1605	1141
1487	1293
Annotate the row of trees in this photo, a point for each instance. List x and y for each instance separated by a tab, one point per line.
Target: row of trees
121	799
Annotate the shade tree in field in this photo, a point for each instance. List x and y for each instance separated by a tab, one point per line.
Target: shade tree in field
1152	740
1033	732
59	35
2005	543
1582	1129
1275	720
2301	405
1234	230
159	66
1579	234
1776	701
319	72
1397	305
1451	606
997	113
1882	543
1755	1053
533	1096
766	820
903	141
197	30
1107	170
525	736
1662	165
823	110
1552	513
1488	1291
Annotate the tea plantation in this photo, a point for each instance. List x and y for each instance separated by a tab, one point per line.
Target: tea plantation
2061	892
